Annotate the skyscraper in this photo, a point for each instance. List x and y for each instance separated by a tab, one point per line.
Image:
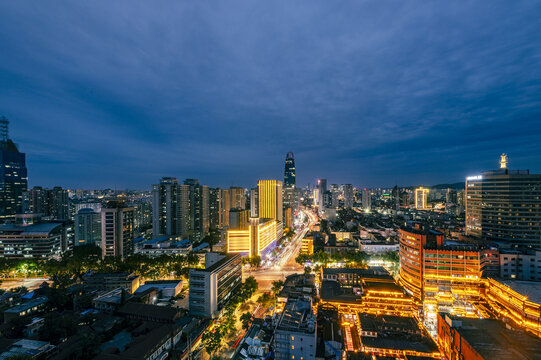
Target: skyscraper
289	172
421	198
13	175
215	208
199	209
49	202
270	199
348	196
254	203
321	191
335	193
87	227
238	198
166	208
117	229
366	199
504	206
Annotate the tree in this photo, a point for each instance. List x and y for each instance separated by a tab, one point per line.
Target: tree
307	270
277	286
246	319
212	340
265	300
255	261
249	287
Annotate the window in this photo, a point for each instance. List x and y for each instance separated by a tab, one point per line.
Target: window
292	347
293	338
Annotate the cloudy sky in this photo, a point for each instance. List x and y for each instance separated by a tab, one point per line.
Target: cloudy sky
121	93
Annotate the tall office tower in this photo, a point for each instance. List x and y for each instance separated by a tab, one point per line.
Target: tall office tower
322	189
254	203
289	172
143	213
335	194
238	198
348	196
87	227
117	229
239	219
396	197
270	199
451	196
421	198
215	208
39	200
226	206
166	208
13	176
366	199
289	182
185	209
199	209
405	199
59	203
504	206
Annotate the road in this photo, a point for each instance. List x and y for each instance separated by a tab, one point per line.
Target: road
284	264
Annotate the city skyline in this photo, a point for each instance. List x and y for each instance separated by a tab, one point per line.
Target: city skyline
411	94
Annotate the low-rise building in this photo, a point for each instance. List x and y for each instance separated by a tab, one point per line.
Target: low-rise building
26	348
488	339
212	287
295	335
111	281
25	309
39	240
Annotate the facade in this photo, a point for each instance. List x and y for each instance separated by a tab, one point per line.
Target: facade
270	204
13	174
289	182
256	240
199	209
421	198
483	339
166	217
295	335
239	219
226	206
49	202
321	191
254	203
366	199
348	196
443	276
40	240
117	229
215	208
504	206
212	287
87	227
112	281
238	198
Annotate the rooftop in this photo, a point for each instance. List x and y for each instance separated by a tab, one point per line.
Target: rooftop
43	228
492	340
530	289
297	317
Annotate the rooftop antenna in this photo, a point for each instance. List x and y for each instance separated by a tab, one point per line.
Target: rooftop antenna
4	122
503	161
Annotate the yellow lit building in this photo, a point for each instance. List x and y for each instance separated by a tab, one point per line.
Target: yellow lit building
270	199
307	246
288	218
421	198
255	240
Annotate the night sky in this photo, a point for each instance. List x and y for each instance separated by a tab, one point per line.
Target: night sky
373	93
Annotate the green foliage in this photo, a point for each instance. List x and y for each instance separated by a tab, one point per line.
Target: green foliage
246	319
212	341
351	258
266	300
277	286
57	328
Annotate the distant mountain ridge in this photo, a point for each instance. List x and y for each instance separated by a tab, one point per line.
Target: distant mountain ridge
455	186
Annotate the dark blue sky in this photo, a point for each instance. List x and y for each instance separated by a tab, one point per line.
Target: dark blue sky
120	93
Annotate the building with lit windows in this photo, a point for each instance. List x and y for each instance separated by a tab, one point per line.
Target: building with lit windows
443	276
348	196
307	245
215	208
211	288
13	174
421	198
117	229
504	206
166	218
289	182
87	227
295	335
256	240
366	199
270	199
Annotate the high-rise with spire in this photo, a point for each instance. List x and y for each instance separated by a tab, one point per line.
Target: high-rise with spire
289	182
13	175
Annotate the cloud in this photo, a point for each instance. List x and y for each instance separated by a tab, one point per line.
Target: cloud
369	93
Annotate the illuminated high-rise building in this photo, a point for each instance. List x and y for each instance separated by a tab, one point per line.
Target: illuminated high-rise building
239	219
13	175
421	198
335	194
87	227
504	206
270	199
254	203
366	199
215	208
117	229
166	219
237	198
348	196
322	190
256	240
226	206
199	209
289	172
